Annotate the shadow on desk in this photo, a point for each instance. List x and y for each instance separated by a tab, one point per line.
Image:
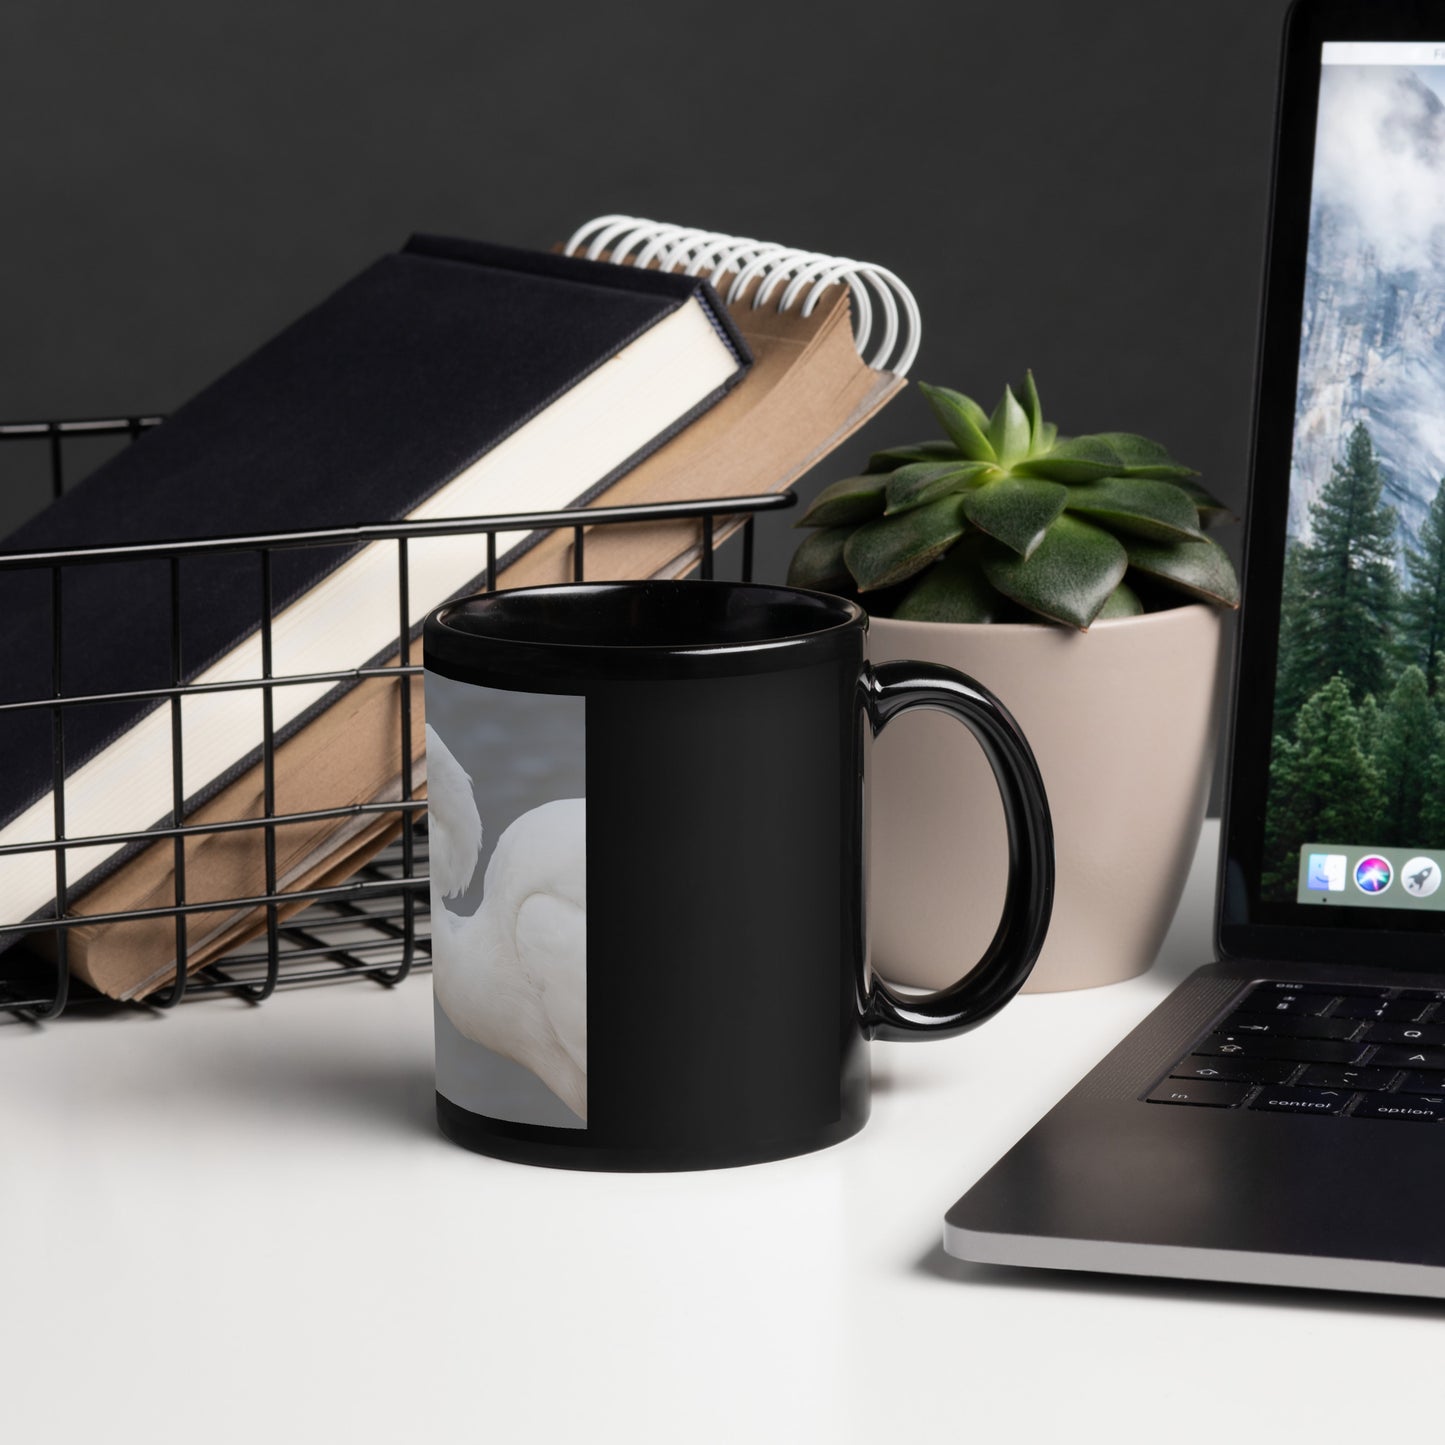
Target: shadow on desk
940	1265
387	1095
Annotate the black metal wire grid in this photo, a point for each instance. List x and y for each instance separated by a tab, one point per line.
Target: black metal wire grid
375	925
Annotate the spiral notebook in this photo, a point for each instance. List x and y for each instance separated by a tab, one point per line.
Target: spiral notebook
831	340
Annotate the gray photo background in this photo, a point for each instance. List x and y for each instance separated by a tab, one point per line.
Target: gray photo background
521	749
1076	185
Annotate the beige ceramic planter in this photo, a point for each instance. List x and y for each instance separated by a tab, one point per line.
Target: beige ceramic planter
1122	721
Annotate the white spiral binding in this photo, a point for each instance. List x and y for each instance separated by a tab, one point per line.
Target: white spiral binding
807	274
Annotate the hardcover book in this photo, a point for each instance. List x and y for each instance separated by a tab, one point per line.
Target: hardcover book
451	379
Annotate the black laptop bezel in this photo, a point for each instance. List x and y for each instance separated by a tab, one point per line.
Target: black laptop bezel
1246	925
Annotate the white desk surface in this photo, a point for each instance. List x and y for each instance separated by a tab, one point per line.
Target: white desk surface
224	1227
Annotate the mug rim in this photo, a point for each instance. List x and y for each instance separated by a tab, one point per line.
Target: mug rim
466	654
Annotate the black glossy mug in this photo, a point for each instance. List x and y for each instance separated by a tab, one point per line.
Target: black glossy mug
647	845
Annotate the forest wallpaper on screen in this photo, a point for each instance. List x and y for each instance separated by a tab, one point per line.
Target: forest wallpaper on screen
1358	754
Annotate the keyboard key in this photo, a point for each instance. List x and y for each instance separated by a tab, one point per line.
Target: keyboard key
1421	1034
1265	1046
1398	1106
1331	1076
1286	1027
1423	1084
1425	995
1302	1101
1291	1004
1208	1093
1403	1056
1400	1010
1249	1071
1253	1024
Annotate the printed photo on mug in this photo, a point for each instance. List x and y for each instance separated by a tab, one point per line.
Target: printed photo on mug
509	900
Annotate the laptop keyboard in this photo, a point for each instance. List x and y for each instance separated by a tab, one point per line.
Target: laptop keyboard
1301	1048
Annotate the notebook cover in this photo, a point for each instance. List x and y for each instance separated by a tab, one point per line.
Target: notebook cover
356	412
808	390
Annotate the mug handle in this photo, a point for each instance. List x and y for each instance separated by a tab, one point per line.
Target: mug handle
897	687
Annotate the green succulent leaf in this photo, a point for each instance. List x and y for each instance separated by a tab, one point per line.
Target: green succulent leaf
891	457
818	563
1016	511
1140	506
1123	602
970	408
1143	458
893	549
1211	510
1077	459
923	482
963	419
1034	407
1201	568
1068	578
953	590
1009	432
1050	526
852	500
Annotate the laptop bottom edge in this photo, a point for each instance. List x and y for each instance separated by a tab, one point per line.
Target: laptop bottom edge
1172	1261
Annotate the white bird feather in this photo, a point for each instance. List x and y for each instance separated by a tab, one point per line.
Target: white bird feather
513	976
455	826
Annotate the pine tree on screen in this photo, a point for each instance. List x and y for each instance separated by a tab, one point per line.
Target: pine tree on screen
1324	785
1342	596
1368	713
1293	621
1422	609
1432	820
1405	759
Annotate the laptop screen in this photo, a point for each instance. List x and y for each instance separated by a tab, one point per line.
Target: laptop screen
1355	809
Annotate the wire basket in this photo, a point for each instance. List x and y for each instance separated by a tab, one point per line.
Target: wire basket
372	926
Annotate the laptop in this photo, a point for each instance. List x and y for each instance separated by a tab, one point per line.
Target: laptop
1280	1118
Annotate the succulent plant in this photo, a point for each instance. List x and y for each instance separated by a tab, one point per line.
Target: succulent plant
1005	520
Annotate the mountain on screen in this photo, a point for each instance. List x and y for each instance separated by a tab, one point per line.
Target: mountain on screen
1373	337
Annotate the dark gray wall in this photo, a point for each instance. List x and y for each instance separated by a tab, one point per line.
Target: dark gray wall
1072	185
